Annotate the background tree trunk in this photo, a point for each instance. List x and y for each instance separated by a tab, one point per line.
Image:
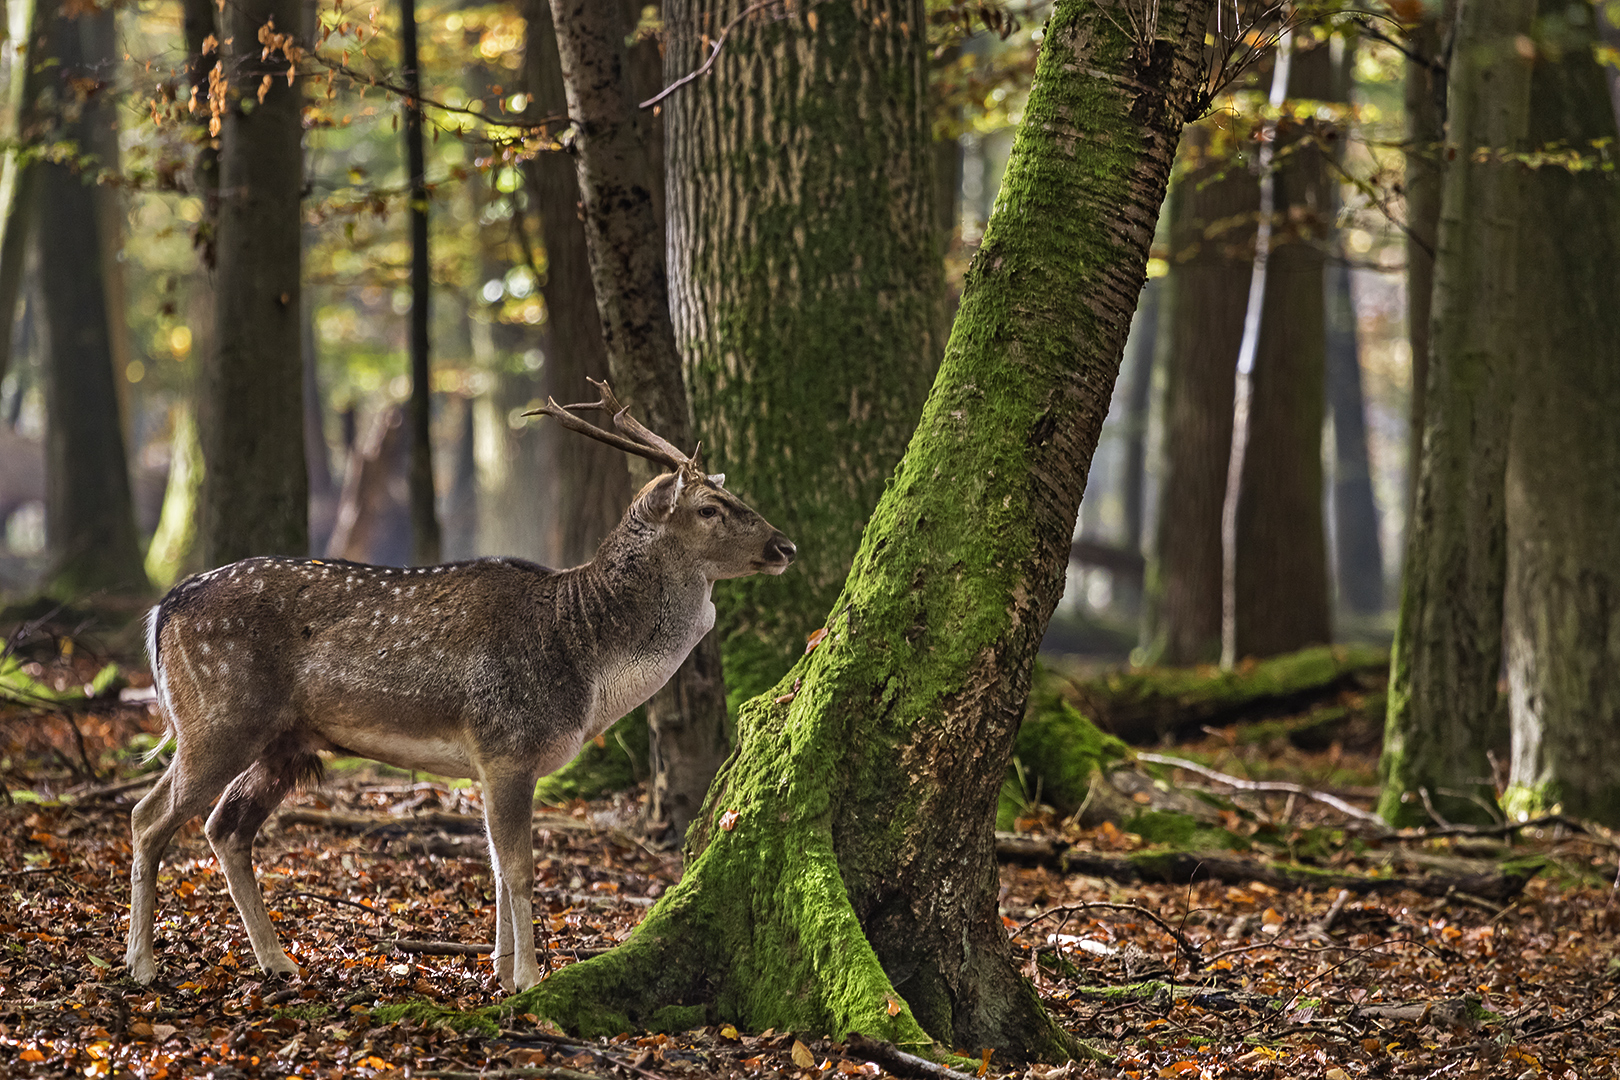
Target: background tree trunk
807	283
1141	352
255	484
89	514
1563	499
1211	251
425	537
21	205
1282	579
1358	548
686	719
1425	137
1448	641
587	484
843	875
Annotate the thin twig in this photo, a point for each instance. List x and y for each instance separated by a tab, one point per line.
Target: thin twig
1185	947
1265	785
714	54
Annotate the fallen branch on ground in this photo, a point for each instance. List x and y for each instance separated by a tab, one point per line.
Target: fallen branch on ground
1281	786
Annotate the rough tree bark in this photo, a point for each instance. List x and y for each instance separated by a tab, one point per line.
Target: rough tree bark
255	485
1563	500
842	877
89	513
687	717
21	201
1448	641
807	285
1282	576
1211	251
587	484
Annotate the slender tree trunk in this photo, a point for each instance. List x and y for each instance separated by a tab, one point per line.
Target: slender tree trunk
843	874
1210	258
1448	641
21	203
425	539
89	514
1282	578
256	486
587	483
1358	548
807	280
1140	355
1425	141
687	717
1563	502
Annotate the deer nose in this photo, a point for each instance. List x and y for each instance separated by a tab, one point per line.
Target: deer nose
780	548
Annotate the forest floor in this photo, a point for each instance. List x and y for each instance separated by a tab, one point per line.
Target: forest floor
379	884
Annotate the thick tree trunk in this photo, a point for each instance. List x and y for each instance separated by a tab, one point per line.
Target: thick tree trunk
1425	142
587	483
31	76
255	484
1563	501
1282	578
843	875
1448	642
1211	251
807	283
89	513
618	195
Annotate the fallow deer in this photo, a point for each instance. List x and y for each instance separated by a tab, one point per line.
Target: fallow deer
495	669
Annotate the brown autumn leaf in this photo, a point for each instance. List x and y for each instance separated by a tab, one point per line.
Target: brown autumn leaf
802	1057
816	638
728	820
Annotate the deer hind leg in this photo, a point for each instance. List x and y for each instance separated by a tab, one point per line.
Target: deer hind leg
508	814
182	793
247	802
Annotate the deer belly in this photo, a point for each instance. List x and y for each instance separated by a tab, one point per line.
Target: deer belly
401	748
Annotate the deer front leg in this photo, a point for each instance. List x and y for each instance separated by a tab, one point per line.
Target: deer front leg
508	811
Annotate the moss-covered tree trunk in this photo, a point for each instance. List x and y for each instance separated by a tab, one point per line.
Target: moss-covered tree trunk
618	194
1282	576
1211	250
843	875
1563	498
89	511
255	484
1448	641
805	282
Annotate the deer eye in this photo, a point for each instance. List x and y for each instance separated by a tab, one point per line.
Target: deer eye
708	511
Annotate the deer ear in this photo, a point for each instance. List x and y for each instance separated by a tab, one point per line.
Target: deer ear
664	493
718	479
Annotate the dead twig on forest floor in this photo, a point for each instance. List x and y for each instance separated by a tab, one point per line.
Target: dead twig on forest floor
1280	786
521	1038
545	1072
1188	951
1323	926
897	1061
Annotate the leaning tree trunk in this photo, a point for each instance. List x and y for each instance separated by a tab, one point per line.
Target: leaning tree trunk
89	513
686	719
1448	641
806	282
1282	578
587	483
1563	500
1211	252
843	875
255	485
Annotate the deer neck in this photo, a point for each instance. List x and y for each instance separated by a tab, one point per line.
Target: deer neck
653	606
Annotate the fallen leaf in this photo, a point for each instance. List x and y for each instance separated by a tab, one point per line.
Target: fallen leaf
815	639
894	1007
728	820
802	1057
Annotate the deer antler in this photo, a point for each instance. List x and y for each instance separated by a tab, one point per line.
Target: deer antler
642	442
